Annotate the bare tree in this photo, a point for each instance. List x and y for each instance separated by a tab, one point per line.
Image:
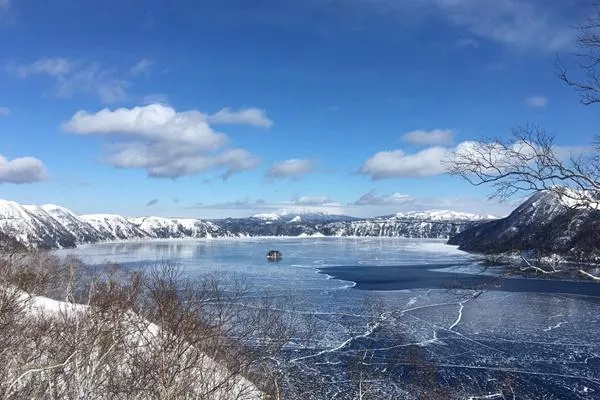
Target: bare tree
587	82
530	162
130	335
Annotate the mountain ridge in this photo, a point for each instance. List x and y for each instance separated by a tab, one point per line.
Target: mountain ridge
545	222
52	226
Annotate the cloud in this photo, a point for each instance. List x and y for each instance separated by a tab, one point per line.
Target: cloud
155	122
293	169
430	161
436	137
523	23
245	207
313	201
536	101
164	142
236	160
142	68
22	170
244	203
152	98
538	25
372	198
78	77
93	79
54	66
4	4
4	111
246	116
399	164
152	202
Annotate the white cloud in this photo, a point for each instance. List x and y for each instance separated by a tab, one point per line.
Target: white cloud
53	66
245	207
245	116
372	198
536	101
537	25
4	4
78	77
93	79
369	205
236	160
428	162
152	98
436	137
293	169
142	68
155	122
22	170
313	201
524	23
398	164
164	142
4	111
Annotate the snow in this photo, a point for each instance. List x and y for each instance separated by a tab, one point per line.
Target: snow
267	216
113	226
580	198
312	235
53	226
443	215
150	337
55	210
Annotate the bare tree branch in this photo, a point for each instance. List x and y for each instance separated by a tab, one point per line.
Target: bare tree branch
529	162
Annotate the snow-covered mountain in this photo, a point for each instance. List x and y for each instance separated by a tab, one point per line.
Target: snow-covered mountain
544	222
158	227
444	215
52	226
267	217
113	227
293	217
417	225
33	225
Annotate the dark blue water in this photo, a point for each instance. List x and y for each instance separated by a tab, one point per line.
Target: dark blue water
434	276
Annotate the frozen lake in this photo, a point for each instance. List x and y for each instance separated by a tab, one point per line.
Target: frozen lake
391	312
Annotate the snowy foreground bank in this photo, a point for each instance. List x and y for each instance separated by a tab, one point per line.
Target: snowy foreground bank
75	351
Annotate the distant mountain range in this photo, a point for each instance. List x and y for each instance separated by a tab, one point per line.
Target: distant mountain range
51	226
545	222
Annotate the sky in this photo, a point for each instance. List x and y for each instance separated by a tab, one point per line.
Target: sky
227	108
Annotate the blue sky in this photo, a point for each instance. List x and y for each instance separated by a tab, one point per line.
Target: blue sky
230	108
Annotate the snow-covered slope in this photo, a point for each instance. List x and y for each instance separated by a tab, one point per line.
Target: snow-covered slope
83	231
32	225
52	226
267	217
113	227
159	227
417	225
543	222
135	338
443	215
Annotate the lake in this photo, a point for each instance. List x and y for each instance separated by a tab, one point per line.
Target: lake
412	317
